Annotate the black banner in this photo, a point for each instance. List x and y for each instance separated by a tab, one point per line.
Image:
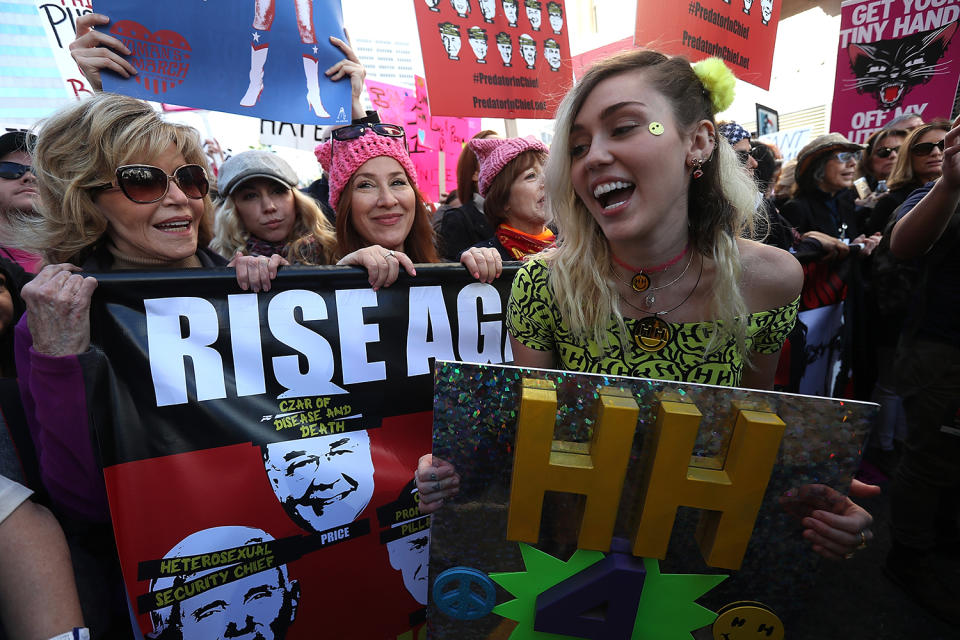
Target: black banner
264	443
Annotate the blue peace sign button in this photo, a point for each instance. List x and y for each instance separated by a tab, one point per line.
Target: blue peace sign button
463	593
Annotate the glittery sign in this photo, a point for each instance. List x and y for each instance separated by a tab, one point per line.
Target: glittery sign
475	414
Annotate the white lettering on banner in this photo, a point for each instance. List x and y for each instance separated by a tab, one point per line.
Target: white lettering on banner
479	341
920	5
427	314
317	381
179	328
864	123
867	33
355	336
168	349
245	336
926	21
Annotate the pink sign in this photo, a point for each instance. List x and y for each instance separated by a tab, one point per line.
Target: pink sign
894	58
427	136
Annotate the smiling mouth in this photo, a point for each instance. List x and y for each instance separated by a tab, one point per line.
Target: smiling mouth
318	499
611	195
178	225
390	219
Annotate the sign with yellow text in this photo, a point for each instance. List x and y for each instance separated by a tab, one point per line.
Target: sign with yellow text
572	485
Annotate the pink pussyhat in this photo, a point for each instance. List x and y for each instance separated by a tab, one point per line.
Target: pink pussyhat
351	154
496	153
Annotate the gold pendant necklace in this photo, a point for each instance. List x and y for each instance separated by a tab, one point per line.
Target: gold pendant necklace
651	298
652	334
641	275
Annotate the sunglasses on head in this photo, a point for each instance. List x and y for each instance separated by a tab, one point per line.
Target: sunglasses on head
926	148
354	131
884	152
847	156
13	170
144	184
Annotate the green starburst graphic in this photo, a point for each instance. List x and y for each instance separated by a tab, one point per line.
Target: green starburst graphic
667	609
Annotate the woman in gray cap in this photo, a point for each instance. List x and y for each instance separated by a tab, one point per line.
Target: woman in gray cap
262	213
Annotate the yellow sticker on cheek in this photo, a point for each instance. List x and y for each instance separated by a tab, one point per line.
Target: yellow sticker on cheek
656	128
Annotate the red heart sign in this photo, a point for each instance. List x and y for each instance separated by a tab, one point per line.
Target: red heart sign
162	58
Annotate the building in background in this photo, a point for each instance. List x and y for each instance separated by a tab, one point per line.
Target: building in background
390	61
34	60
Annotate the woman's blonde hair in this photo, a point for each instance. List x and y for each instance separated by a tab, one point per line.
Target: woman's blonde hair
311	240
721	207
79	148
902	174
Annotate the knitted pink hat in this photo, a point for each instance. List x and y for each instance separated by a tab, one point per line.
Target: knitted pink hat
496	153
351	154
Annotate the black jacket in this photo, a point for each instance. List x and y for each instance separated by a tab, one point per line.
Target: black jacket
818	211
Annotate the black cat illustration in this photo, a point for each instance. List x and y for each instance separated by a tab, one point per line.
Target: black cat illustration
889	69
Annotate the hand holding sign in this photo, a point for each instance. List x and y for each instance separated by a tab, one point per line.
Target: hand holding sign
93	51
58	306
350	67
262	58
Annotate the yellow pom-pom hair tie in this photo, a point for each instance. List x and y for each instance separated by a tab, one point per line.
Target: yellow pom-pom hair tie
719	82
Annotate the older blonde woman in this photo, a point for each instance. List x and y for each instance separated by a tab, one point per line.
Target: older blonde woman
119	188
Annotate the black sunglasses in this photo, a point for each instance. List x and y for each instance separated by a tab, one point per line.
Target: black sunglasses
354	131
743	156
884	152
13	170
926	148
144	184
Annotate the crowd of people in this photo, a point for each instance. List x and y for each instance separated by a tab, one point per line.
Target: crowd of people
656	242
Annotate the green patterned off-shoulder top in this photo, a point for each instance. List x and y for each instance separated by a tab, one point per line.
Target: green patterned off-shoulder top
655	348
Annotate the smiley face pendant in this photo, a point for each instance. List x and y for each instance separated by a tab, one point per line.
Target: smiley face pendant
640	282
656	128
747	621
651	334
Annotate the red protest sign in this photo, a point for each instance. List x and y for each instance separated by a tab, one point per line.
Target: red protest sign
494	58
741	32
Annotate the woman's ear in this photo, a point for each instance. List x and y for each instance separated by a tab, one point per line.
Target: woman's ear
703	141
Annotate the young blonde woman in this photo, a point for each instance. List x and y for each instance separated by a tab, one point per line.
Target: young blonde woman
262	213
652	276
